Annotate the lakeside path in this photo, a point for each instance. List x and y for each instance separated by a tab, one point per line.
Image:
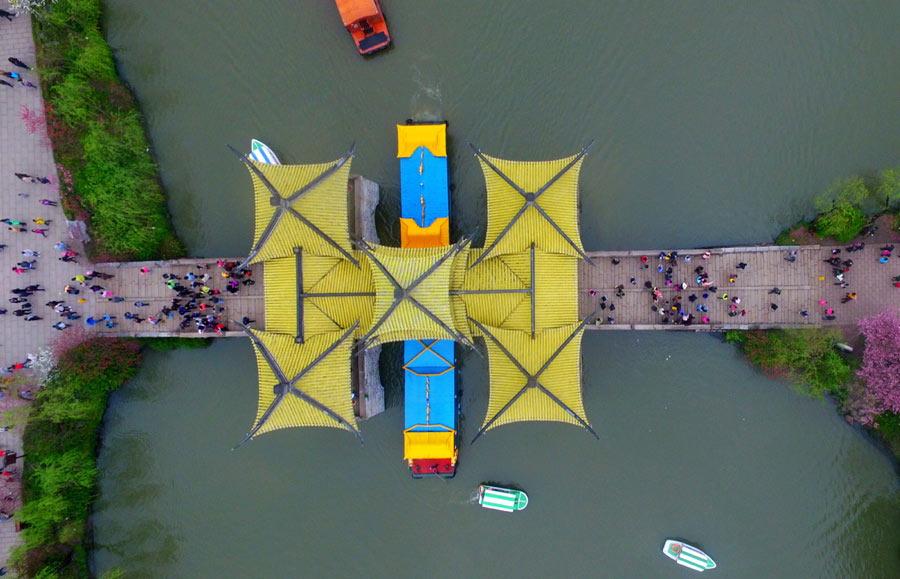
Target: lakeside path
21	152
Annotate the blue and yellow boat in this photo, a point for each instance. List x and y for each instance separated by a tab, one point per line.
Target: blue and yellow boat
429	434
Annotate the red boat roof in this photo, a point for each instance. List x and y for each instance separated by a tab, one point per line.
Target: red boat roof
353	10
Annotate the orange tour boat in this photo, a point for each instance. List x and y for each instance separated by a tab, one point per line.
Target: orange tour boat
365	21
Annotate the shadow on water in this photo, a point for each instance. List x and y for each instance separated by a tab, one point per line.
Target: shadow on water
126	467
143	546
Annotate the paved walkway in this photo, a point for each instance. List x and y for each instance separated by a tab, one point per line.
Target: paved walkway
802	283
21	152
150	288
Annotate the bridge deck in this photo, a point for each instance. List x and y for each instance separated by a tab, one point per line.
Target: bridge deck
129	283
799	282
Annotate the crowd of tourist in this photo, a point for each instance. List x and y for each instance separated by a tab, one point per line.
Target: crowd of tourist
695	296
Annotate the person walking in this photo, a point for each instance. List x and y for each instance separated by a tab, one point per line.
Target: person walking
16	62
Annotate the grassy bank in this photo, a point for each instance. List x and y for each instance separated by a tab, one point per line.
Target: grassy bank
108	176
61	442
847	208
807	358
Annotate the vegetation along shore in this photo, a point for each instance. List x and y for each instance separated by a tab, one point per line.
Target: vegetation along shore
865	384
109	178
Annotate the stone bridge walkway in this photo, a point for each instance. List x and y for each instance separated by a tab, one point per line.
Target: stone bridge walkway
802	283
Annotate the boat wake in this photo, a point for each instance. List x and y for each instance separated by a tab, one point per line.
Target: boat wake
425	104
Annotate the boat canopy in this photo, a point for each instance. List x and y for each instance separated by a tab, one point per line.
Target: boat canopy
429	444
430	136
353	10
430	385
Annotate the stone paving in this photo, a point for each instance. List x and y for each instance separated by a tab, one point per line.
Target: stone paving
802	283
22	152
129	283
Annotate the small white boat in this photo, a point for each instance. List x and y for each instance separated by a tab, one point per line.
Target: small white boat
688	555
501	499
261	153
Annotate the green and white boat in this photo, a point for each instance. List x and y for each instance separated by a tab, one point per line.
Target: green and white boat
688	555
501	499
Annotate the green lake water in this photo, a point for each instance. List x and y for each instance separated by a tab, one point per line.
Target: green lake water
715	123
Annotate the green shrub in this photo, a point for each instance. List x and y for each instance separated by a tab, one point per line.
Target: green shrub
806	357
889	187
889	425
843	221
738	337
60	440
99	138
165	344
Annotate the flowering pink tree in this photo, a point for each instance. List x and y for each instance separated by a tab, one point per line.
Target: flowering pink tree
881	365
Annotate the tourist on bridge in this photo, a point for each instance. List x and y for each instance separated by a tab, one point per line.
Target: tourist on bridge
60	325
39	231
140	304
791	256
742	265
90	321
31	253
48	203
849	297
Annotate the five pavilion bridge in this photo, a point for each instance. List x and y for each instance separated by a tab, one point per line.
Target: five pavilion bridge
324	298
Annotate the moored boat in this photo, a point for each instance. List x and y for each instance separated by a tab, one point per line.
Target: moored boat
365	22
688	555
261	153
502	499
431	401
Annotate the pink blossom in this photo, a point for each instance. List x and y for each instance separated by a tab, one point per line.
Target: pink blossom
881	365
